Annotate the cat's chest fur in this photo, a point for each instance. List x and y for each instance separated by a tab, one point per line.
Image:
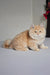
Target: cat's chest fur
40	41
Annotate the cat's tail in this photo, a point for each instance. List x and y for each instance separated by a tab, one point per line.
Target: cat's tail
6	44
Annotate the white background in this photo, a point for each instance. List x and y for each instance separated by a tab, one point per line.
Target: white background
17	16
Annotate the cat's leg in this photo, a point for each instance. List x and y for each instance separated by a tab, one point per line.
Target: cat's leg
34	46
21	48
42	46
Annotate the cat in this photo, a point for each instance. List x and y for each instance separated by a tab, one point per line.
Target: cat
32	38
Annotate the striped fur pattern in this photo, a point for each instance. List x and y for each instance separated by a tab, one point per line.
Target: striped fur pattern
32	38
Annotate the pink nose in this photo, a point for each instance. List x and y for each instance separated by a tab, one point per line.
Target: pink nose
37	33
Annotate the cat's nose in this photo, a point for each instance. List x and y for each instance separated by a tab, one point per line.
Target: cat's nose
37	33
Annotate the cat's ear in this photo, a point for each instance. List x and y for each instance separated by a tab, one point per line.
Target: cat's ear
32	26
42	25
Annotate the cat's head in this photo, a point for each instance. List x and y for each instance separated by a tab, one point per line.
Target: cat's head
37	31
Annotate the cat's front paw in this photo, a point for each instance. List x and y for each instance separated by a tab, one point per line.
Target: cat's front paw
42	46
45	47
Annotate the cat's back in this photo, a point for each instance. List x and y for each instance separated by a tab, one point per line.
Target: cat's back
23	36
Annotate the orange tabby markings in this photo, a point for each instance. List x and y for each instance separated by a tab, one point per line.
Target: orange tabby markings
31	38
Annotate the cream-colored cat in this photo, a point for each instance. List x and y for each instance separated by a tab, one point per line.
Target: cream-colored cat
32	38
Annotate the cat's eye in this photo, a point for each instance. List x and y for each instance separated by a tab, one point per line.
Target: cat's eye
39	31
35	31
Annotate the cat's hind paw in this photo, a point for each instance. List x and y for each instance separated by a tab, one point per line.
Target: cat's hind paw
37	49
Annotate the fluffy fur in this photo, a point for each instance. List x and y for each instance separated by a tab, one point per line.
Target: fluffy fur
32	38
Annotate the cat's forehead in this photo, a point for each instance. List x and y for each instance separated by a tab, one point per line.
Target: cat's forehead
38	27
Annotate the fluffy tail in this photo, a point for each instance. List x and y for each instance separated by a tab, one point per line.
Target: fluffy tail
6	43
